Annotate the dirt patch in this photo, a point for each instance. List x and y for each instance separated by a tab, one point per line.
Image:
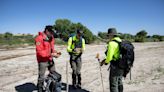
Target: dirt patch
13	56
19	69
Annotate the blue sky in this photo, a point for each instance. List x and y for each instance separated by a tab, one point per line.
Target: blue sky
127	16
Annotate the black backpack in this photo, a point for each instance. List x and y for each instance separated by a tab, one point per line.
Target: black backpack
52	83
126	56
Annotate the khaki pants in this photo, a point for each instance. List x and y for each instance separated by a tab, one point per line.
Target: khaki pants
41	71
76	64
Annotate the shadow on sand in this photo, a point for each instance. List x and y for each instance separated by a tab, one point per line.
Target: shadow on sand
30	87
71	89
27	87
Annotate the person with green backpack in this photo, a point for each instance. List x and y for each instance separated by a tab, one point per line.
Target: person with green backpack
76	46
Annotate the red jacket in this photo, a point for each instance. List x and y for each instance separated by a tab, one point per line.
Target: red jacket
44	48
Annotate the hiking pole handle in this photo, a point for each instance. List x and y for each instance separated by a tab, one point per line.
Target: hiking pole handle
98	57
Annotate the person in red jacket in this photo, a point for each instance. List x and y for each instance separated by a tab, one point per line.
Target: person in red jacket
45	52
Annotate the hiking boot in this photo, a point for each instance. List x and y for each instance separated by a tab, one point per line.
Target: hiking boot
40	87
79	86
120	88
79	79
74	86
74	80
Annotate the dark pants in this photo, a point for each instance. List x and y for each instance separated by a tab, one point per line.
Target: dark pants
115	79
41	72
75	62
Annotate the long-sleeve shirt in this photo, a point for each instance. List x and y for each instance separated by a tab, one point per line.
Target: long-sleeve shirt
71	44
113	52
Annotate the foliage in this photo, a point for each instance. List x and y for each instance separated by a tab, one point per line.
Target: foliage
10	39
60	41
103	35
160	38
140	36
126	36
65	28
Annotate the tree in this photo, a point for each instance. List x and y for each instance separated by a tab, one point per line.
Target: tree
142	33
65	28
89	37
62	27
103	35
8	36
126	36
157	37
140	36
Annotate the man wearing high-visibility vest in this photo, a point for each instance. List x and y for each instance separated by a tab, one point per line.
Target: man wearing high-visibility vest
76	46
113	55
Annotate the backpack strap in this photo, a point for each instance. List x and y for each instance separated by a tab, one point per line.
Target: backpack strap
119	43
116	41
108	47
74	41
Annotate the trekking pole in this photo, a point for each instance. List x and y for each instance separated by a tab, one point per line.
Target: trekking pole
130	75
67	88
97	56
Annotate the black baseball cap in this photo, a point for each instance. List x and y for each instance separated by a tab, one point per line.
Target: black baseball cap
50	29
80	31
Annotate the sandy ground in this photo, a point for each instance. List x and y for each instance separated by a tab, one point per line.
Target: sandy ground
18	69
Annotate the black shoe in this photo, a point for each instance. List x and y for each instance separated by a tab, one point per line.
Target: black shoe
74	81
79	86
79	81
40	90
120	88
74	87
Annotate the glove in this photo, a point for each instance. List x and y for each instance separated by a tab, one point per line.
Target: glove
102	62
106	63
59	53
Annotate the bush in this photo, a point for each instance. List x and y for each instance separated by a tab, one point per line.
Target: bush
60	41
141	36
65	28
